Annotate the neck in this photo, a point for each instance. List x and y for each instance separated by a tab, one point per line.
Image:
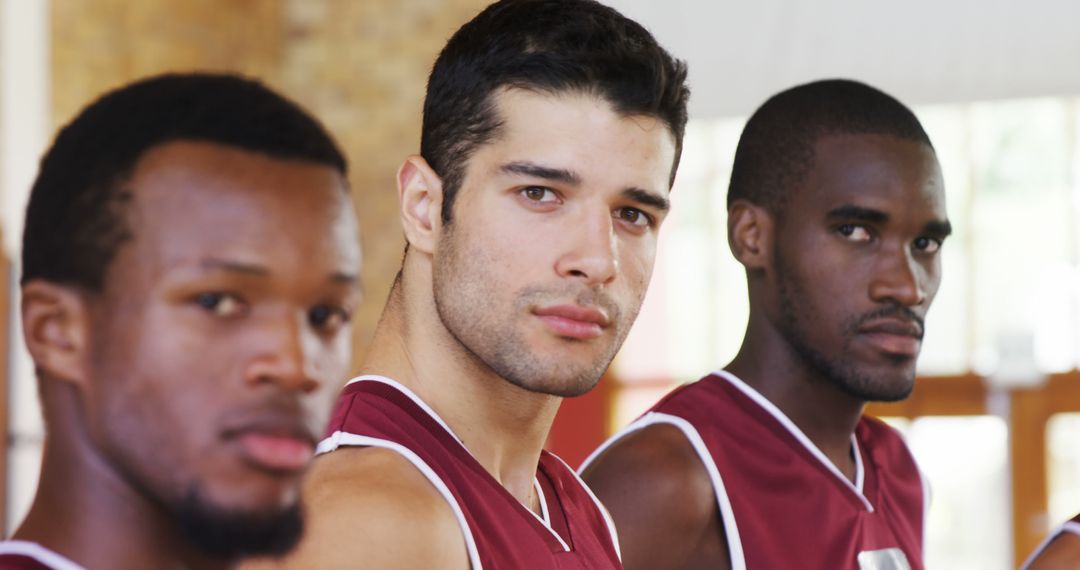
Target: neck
826	414
503	426
86	511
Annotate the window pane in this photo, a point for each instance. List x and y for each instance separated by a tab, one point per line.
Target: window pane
1063	467
964	458
1021	221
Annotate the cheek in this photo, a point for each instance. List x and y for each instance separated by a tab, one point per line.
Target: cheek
636	269
331	359
932	279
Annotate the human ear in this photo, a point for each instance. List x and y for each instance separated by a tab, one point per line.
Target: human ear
750	233
55	321
420	197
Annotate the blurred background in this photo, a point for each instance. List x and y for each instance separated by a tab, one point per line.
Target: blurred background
995	417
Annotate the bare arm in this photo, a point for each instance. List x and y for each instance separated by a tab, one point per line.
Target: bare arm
1063	553
370	508
662	500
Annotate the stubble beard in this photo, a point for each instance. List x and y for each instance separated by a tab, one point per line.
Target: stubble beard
226	534
842	371
231	534
464	290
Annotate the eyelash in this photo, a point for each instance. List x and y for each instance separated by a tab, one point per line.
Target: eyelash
841	230
317	316
650	221
321	312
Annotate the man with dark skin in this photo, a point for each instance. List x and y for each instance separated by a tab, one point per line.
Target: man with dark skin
189	267
837	212
1060	551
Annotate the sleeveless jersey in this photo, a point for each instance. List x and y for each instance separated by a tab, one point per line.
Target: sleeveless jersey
573	531
782	503
25	555
1071	526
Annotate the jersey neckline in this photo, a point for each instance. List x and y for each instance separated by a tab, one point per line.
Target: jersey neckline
856	488
544	519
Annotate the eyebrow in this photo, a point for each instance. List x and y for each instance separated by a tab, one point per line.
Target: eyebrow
214	264
937	228
638	195
647	198
857	213
545	172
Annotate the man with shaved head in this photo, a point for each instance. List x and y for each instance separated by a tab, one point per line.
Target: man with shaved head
837	212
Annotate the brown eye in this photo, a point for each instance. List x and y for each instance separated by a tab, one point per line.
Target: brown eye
538	194
927	245
221	304
327	318
633	216
854	232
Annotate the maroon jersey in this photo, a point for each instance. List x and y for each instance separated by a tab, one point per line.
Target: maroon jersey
783	504
499	532
1071	526
23	555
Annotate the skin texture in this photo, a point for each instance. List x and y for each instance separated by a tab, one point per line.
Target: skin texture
839	283
561	208
1063	553
193	376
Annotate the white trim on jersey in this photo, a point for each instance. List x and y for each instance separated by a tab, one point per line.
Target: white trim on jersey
603	510
409	394
341	438
39	553
545	521
723	502
927	497
799	436
545	517
1070	527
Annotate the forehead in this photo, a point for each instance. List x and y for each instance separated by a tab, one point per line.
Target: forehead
191	199
581	132
876	171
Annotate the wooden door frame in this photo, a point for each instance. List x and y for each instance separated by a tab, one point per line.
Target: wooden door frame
1029	412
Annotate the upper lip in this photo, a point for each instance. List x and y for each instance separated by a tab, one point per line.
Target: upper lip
892	325
283	425
574	312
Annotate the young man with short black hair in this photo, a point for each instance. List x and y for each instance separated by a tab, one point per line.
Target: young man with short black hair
837	211
190	262
551	135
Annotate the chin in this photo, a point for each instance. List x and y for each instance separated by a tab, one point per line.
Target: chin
563	388
231	532
254	491
887	387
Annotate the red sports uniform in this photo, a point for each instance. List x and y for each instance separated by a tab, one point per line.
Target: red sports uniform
24	555
1071	526
499	531
783	504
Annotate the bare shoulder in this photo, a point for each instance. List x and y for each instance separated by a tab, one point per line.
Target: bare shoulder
371	505
1063	553
661	497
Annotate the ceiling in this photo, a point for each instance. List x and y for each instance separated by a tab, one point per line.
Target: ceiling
922	51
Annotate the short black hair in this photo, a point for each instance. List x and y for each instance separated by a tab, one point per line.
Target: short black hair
75	216
776	148
547	46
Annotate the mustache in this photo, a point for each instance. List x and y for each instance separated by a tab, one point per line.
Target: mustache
890	312
585	297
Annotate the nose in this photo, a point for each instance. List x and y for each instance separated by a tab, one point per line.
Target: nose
591	252
283	354
899	279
